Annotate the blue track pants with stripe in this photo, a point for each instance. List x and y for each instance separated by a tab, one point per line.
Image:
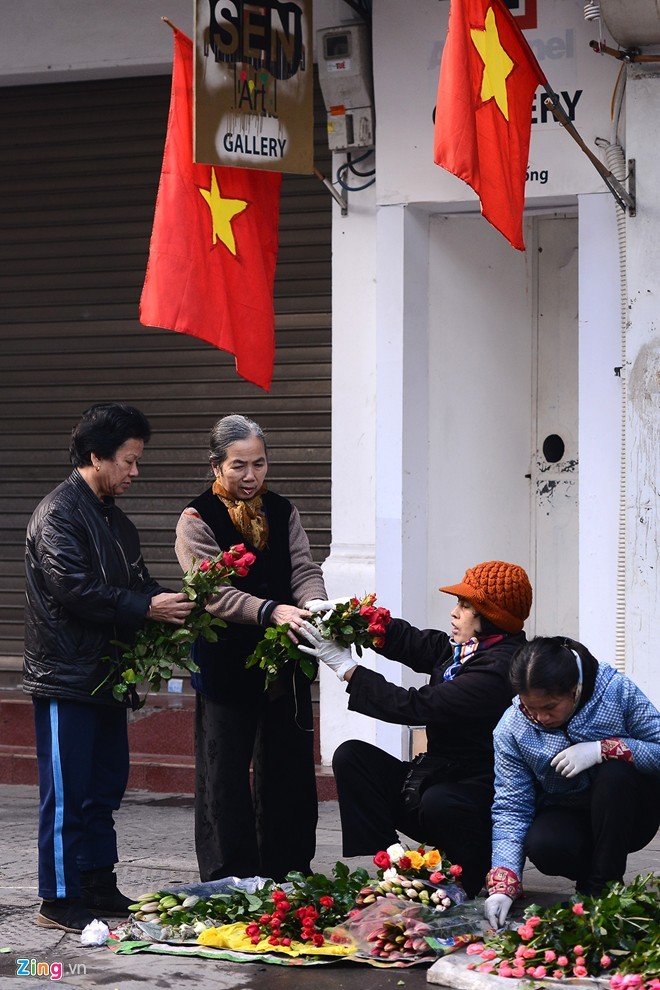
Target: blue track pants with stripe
82	752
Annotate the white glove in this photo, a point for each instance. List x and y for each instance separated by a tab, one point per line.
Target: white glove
323	605
338	658
572	761
496	909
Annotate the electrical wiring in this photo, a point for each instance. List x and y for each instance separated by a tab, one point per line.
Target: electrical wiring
349	165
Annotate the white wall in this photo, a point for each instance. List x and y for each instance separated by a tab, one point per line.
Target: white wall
642	611
480	352
67	40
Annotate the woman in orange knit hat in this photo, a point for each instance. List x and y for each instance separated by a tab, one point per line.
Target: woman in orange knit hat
444	796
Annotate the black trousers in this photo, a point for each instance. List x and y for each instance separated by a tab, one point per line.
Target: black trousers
82	754
590	842
453	816
268	829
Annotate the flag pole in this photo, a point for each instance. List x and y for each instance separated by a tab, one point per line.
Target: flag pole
169	22
620	193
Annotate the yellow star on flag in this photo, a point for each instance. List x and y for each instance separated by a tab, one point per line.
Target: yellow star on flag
222	213
497	64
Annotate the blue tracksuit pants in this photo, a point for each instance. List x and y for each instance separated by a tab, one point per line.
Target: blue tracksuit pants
82	753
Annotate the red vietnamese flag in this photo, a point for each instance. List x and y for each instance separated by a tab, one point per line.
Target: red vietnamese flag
213	245
483	117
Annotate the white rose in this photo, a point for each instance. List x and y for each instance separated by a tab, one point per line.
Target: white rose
395	852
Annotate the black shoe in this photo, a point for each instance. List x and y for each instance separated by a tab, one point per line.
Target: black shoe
99	892
69	914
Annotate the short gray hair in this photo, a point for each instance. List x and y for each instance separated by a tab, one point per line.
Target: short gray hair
228	430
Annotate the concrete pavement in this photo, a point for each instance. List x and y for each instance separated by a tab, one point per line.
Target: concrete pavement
157	849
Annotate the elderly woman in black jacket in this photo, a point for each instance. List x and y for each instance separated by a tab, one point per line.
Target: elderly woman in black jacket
86	586
444	796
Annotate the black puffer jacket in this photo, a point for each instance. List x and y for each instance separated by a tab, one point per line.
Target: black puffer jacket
86	584
459	714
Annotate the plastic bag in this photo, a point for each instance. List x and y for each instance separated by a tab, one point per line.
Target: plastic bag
395	930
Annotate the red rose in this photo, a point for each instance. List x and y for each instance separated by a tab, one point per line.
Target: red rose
455	870
326	901
285	941
382	860
237	549
368	611
204	566
228	559
404	863
318	939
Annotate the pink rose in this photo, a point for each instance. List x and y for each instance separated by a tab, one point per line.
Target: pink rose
578	909
437	877
529	953
549	956
504	970
562	960
488	954
525	933
455	870
517	971
533	921
578	950
605	961
580	971
558	974
486	967
475	948
539	972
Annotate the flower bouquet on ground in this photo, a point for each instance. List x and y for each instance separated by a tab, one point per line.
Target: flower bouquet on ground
422	875
615	936
357	623
406	916
254	915
160	647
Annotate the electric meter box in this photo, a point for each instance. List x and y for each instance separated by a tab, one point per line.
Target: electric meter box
344	64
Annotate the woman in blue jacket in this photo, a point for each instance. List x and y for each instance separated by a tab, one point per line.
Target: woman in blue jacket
577	772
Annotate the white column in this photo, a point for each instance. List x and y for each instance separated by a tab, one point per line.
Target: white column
600	421
349	569
402	442
643	369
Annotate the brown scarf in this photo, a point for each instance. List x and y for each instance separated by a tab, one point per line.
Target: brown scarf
247	515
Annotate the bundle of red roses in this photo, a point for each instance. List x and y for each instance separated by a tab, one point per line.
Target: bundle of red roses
356	623
160	647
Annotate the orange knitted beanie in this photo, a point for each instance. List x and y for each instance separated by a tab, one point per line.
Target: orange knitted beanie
498	590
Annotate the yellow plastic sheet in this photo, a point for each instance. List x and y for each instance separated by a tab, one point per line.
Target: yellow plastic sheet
234	937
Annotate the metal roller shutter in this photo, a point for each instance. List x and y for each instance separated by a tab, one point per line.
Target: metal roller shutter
79	170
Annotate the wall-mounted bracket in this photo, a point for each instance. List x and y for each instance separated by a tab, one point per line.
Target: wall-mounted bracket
624	197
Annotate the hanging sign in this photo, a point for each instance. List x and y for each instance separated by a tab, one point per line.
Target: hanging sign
253	84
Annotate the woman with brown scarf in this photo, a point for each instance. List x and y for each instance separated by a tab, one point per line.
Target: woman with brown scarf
270	829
